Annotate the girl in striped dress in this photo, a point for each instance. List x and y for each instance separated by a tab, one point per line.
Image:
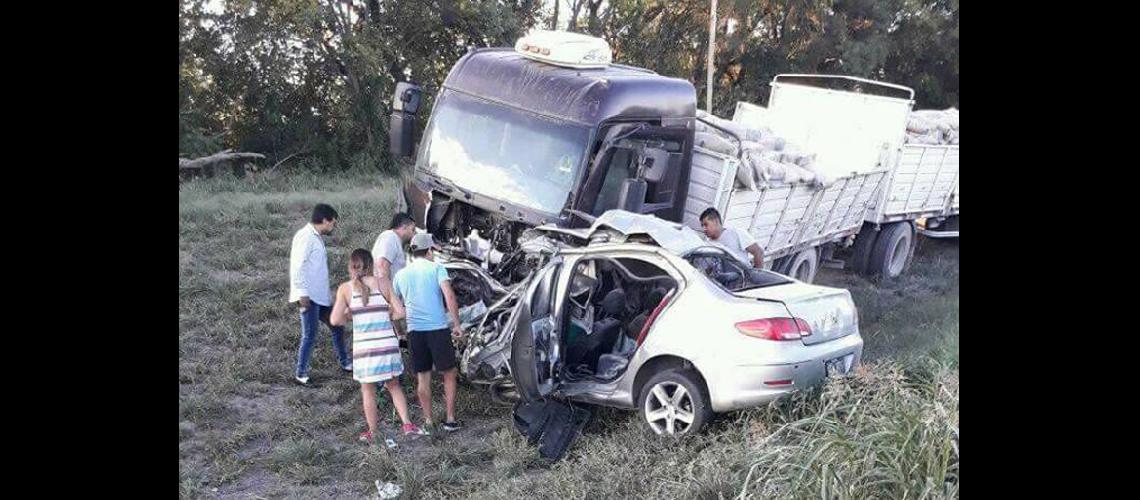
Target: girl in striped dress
375	347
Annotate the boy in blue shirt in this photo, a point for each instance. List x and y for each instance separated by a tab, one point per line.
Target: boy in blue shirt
425	290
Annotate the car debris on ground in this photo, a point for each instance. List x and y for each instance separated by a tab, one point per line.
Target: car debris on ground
386	491
552	425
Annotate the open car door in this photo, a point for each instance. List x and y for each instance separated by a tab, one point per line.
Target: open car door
535	346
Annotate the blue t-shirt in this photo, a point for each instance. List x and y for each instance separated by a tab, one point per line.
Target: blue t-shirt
418	285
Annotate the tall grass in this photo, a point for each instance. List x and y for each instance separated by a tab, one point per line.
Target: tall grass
888	432
880	434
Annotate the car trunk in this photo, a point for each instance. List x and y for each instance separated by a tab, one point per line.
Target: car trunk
829	311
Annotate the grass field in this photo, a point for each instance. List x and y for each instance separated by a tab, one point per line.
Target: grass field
245	432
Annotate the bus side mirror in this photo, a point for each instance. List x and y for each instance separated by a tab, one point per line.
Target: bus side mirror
405	105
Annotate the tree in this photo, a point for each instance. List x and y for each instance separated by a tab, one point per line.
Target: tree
313	79
315	76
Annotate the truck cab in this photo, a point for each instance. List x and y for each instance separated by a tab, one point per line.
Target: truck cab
549	132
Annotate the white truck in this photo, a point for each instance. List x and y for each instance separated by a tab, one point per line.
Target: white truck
883	193
552	132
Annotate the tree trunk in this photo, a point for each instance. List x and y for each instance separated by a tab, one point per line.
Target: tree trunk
374	12
575	8
592	20
226	155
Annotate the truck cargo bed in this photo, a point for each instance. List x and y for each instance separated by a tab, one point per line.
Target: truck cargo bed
784	218
924	183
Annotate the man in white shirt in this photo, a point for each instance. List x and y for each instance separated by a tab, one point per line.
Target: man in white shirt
309	285
388	251
738	243
389	257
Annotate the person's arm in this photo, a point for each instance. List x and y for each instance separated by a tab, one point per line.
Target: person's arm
748	243
340	312
757	255
396	308
383	269
449	300
384	277
298	265
395	305
452	307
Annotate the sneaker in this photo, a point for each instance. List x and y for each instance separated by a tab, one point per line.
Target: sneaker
301	380
365	437
452	426
413	429
346	369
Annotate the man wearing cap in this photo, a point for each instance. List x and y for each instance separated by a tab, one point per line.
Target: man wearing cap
433	319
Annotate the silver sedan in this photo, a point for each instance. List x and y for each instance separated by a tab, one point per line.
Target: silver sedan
646	315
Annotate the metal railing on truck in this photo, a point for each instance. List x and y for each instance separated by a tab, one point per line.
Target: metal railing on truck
784	218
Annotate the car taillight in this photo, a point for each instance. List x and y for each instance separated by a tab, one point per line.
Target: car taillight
775	328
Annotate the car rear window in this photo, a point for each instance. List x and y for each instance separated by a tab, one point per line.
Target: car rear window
731	274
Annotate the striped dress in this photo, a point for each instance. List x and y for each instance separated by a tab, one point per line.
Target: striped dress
375	347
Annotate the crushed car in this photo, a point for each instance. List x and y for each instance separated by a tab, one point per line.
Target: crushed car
639	313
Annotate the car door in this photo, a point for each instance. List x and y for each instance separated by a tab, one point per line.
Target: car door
535	346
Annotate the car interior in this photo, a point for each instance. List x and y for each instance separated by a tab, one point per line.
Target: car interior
607	305
730	273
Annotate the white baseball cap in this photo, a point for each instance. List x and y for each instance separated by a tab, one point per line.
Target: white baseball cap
422	241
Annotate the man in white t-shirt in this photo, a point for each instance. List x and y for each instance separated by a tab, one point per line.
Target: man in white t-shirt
389	258
739	243
388	251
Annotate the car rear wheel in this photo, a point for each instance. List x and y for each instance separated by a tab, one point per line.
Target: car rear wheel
675	403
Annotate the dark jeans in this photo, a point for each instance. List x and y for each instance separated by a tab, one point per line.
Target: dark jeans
315	314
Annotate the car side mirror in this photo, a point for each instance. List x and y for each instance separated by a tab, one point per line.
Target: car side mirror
405	105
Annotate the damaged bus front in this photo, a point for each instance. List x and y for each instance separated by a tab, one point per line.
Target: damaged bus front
514	143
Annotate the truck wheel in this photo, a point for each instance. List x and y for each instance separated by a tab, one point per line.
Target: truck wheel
892	251
780	265
861	250
675	403
803	265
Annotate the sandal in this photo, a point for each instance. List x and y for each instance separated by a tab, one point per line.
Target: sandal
413	429
365	437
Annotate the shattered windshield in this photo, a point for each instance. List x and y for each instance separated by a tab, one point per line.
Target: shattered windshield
504	153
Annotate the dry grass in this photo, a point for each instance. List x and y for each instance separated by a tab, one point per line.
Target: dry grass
245	432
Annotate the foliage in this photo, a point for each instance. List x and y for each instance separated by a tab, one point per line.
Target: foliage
313	79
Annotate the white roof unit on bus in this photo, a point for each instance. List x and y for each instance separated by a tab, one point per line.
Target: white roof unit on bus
562	48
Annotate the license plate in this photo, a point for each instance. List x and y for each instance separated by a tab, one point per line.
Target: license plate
838	367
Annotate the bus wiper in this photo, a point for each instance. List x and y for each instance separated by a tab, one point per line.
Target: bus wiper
449	185
582	215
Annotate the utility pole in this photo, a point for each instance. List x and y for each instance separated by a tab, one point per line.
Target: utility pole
712	50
